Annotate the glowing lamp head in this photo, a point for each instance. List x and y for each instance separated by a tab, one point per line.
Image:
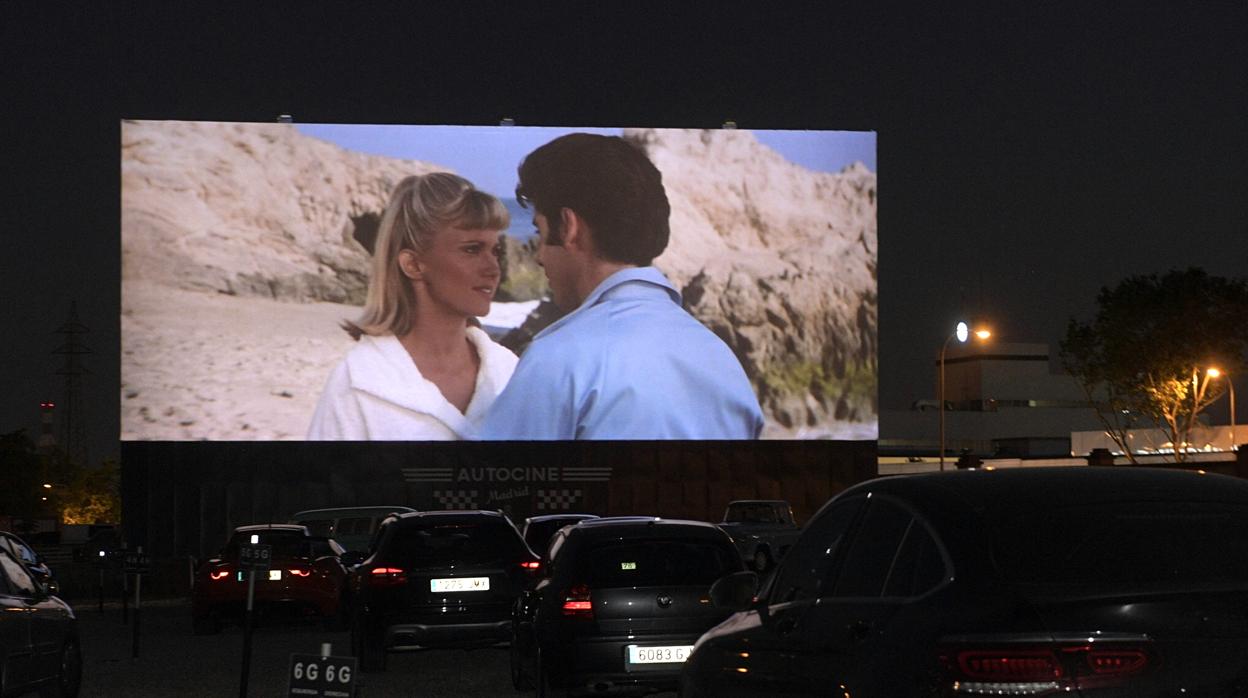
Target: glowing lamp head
963	332
1214	373
983	334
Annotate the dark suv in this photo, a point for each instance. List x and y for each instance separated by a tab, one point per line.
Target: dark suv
1022	581
621	605
438	579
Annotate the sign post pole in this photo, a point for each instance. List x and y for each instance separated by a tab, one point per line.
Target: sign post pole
138	585
252	557
251	593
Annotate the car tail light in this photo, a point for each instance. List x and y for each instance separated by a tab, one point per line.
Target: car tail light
577	602
531	566
387	576
218	575
301	573
1036	670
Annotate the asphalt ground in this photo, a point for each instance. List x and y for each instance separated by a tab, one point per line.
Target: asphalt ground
174	662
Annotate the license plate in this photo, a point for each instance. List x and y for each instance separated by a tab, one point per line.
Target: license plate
667	654
460	584
275	575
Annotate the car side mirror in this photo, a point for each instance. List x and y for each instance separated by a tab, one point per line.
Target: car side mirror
351	558
735	591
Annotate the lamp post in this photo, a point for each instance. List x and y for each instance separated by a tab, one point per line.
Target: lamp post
1230	386
961	333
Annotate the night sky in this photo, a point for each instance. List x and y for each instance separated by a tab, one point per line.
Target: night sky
1029	153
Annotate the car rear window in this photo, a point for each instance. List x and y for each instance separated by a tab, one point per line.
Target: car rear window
1126	545
285	544
424	542
658	563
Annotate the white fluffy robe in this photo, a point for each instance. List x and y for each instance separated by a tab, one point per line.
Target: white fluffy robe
376	393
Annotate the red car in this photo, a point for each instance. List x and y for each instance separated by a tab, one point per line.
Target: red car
306	577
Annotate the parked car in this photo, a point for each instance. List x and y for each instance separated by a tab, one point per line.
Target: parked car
31	560
1032	581
39	648
351	527
539	530
620	606
306	576
438	579
762	529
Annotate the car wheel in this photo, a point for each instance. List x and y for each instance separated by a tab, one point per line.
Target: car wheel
206	624
545	689
340	619
69	674
521	669
371	654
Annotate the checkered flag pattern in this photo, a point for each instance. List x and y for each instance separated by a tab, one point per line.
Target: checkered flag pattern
557	500
456	499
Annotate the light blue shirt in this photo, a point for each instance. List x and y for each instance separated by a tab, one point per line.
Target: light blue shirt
629	363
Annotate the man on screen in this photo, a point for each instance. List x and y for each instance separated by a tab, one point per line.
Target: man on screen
628	362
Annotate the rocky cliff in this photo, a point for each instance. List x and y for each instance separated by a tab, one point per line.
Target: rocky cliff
780	262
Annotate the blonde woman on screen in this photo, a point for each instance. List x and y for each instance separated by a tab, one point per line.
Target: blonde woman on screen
422	369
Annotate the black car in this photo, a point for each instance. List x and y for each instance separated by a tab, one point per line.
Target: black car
31	560
438	579
1033	581
305	577
39	648
622	603
538	530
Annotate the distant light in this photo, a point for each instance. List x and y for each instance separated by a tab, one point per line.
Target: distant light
255	538
1214	373
47	485
963	332
43	499
983	334
101	553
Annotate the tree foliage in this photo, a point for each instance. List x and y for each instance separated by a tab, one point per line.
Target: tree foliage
77	494
1143	359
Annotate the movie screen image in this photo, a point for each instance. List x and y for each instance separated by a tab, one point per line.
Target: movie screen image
248	250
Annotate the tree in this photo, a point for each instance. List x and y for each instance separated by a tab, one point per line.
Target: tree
1144	357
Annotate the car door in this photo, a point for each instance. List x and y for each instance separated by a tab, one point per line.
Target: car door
757	659
16	647
845	638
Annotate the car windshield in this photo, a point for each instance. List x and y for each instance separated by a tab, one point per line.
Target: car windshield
752	513
1125	546
424	542
645	563
285	544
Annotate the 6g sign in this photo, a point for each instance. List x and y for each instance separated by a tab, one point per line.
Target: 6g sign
325	677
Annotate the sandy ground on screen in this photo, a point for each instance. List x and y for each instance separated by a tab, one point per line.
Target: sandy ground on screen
198	365
209	366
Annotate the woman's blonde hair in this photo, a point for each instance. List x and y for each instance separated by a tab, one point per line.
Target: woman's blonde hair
419	206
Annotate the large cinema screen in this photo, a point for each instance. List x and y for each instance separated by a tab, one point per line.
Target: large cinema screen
246	248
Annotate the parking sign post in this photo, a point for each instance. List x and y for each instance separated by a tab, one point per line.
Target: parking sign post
252	557
136	563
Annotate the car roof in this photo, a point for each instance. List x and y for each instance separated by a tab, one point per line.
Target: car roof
340	511
449	513
256	528
759	501
556	517
1066	486
643	527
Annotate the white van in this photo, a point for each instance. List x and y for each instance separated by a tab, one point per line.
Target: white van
351	527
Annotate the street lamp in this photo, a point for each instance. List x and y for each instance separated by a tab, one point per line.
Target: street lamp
1230	386
961	333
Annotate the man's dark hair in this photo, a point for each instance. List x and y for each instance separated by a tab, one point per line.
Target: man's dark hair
610	183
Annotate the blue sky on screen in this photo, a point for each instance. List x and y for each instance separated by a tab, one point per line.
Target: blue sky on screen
488	155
